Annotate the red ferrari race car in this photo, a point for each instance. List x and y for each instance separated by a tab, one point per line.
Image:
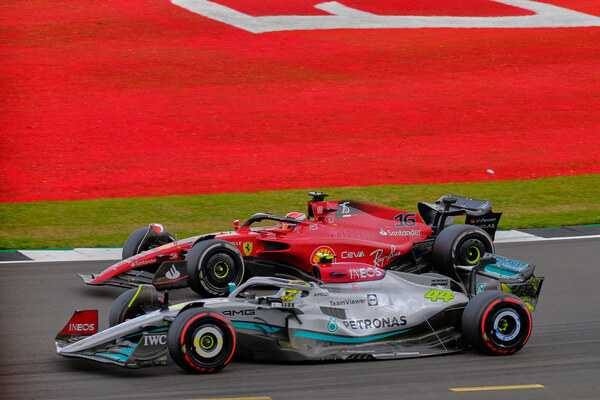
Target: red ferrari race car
348	230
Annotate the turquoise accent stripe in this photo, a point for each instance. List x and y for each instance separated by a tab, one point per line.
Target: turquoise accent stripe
122	356
344	339
158	330
257	327
166	328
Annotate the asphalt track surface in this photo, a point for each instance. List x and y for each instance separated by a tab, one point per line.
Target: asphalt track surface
562	356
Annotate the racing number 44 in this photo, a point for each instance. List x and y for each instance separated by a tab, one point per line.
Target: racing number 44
435	295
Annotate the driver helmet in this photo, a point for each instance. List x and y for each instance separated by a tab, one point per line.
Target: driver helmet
293	215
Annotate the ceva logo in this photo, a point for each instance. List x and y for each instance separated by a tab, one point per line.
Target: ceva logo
339	16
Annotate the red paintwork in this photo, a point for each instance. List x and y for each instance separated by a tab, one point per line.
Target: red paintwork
352	231
82	323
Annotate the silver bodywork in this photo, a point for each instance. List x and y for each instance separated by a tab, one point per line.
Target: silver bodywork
394	315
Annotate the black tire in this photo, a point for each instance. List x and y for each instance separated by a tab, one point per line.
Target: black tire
201	340
212	265
133	245
133	303
497	323
460	245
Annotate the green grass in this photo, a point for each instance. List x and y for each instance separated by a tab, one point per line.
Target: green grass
546	202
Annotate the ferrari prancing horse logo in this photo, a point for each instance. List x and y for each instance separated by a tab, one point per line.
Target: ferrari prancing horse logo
247	246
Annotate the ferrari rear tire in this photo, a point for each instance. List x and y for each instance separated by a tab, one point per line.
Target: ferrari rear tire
460	245
212	265
201	340
496	323
133	303
133	245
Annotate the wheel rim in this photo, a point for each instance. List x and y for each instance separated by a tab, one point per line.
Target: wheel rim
507	325
220	270
471	251
208	342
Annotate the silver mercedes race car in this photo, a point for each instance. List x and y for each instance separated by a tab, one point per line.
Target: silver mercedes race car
350	311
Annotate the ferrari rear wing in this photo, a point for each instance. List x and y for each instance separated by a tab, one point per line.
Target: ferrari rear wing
478	212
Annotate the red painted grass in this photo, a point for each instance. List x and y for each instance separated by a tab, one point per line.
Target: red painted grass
142	98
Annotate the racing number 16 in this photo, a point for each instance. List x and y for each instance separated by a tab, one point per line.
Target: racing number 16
407	219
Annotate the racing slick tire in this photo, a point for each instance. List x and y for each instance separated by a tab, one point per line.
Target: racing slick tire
133	303
497	323
212	265
201	341
460	245
133	245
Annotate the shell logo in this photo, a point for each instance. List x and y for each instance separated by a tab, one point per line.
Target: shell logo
323	249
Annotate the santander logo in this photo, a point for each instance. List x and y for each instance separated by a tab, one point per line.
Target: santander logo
337	15
172	273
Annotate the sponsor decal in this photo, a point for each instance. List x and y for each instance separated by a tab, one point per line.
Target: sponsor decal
154	340
247	246
375	323
366	272
346	302
396	232
358	351
320	210
144	262
329	219
172	273
405	219
321	294
314	227
285	304
233	313
480	288
332	325
314	259
509	262
440	282
82	323
486	222
352	254
372	300
83	328
379	260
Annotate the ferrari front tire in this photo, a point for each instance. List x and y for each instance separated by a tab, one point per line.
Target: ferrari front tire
201	340
212	265
133	245
496	322
133	303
